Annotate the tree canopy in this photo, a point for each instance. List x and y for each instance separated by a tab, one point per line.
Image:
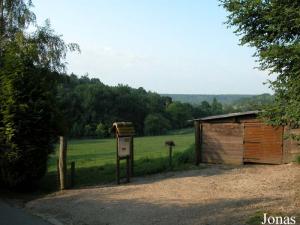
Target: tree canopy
272	27
29	66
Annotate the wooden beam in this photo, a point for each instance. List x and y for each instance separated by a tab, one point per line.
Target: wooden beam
197	142
63	162
131	157
118	161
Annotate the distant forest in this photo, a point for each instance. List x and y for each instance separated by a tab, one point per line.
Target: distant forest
91	107
228	99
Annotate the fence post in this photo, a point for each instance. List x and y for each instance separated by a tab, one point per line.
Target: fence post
131	157
170	157
63	162
197	141
57	172
72	174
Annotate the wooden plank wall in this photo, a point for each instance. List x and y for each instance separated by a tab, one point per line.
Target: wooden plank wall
222	143
291	147
262	143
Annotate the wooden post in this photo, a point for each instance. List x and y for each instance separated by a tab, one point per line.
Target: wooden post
63	162
131	157
170	157
57	171
118	162
128	167
197	141
72	174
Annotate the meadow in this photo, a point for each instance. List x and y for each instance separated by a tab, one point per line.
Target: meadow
95	158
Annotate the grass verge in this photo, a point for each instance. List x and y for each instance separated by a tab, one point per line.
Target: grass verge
95	159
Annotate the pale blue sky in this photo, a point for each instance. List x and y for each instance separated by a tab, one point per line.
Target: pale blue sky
167	46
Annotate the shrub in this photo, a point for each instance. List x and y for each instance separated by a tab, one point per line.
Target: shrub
101	130
184	157
155	124
26	126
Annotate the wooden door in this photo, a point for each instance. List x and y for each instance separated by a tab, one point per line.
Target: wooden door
262	143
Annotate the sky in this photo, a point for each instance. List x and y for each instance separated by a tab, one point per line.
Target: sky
165	46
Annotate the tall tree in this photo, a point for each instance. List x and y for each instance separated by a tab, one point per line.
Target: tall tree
272	27
29	63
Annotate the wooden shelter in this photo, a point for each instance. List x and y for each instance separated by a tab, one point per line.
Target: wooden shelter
239	138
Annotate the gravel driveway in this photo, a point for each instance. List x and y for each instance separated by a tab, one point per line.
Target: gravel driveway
214	195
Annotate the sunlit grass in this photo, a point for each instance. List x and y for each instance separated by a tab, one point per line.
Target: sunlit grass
95	159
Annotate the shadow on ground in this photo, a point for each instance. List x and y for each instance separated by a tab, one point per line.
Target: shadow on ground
105	210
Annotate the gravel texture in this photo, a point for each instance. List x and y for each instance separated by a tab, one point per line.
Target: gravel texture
214	195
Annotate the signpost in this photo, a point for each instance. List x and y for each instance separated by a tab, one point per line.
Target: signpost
171	144
124	132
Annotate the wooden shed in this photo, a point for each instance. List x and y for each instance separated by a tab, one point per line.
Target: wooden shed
239	138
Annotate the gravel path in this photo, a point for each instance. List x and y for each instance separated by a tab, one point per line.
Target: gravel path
214	195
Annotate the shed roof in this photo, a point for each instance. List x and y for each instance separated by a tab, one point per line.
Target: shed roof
229	115
123	128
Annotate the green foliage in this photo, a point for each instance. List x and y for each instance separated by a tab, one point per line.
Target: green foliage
27	124
179	113
28	65
102	131
216	107
156	124
298	160
87	101
273	29
258	102
188	156
196	99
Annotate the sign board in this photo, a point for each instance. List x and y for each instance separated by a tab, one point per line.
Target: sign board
124	146
124	132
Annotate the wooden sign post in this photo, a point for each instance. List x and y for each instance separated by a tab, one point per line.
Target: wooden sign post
124	132
171	144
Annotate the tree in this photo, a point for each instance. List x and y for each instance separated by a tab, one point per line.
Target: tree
29	63
179	113
216	107
102	131
156	124
273	28
205	109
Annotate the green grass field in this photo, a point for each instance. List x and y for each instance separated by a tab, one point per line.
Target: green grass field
95	159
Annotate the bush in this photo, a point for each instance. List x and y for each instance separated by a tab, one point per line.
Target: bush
101	131
26	126
155	124
298	159
185	157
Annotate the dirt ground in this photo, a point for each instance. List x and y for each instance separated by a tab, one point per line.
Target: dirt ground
214	195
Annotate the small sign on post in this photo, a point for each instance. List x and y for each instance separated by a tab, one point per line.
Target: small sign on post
124	146
124	132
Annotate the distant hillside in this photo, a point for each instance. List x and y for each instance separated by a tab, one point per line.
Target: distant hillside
256	102
197	99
